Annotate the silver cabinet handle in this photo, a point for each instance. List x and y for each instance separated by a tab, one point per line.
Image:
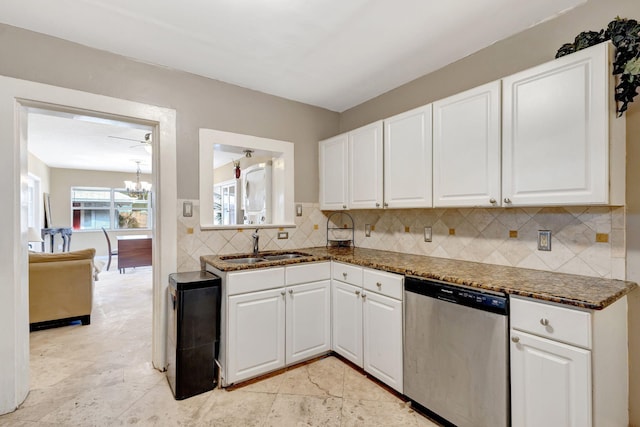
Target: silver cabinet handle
492	201
344	206
377	205
507	200
364	295
544	322
378	284
283	293
290	291
386	204
357	292
344	275
515	339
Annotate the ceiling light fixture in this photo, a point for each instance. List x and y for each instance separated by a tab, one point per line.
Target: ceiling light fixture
138	189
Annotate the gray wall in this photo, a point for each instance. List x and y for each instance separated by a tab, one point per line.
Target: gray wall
521	51
198	101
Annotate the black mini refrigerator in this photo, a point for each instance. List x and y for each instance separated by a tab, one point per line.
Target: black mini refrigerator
193	332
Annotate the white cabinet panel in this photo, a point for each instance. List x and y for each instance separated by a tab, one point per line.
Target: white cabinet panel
256	334
466	148
365	167
555	139
334	179
408	159
382	328
308	321
347	321
241	282
550	383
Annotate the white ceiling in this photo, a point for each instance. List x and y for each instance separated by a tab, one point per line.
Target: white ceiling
330	53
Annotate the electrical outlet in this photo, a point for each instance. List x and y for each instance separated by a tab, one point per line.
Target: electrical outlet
298	210
283	234
187	209
428	234
544	240
367	230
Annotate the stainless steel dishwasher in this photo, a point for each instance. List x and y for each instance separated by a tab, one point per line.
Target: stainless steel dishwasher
456	353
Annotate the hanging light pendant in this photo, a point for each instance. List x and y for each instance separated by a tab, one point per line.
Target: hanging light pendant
138	189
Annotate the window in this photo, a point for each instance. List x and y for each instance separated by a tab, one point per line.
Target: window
111	208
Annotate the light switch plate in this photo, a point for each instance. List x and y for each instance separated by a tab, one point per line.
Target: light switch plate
544	240
367	230
428	234
298	210
187	209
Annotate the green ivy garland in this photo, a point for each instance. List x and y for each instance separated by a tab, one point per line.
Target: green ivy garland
625	36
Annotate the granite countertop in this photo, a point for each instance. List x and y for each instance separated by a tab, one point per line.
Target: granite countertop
581	291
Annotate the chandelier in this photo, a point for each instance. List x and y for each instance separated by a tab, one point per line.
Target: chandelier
138	189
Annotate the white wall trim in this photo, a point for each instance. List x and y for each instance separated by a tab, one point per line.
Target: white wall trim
15	96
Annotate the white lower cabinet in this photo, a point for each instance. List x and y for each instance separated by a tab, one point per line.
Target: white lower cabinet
568	366
256	325
367	321
347	321
269	329
550	383
308	321
382	329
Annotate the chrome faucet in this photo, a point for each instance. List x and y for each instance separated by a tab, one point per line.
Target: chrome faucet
255	242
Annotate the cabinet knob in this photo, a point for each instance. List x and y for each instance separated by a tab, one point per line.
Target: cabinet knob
544	322
378	284
377	205
357	292
515	339
364	295
344	275
386	205
492	201
283	293
507	200
344	206
290	291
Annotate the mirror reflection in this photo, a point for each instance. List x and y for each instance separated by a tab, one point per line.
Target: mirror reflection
245	181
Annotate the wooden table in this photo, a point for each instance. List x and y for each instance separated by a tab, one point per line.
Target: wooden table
133	251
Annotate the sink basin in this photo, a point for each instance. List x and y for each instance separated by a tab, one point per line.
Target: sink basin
245	260
278	257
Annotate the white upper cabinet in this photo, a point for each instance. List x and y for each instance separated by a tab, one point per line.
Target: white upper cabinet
365	167
466	148
333	173
407	159
558	124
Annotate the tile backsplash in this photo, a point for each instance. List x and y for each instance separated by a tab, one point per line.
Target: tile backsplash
585	240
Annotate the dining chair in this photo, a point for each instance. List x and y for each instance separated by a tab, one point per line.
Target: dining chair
111	252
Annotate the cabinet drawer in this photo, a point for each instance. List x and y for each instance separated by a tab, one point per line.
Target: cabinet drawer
551	321
384	283
255	280
306	273
347	273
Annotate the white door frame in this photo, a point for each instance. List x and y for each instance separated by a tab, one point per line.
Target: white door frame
15	97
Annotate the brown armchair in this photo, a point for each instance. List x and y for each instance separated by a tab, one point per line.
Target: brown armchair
61	286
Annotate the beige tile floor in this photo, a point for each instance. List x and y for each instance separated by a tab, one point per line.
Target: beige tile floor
101	375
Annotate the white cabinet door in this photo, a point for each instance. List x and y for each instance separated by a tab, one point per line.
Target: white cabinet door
466	148
256	334
308	321
334	180
550	383
407	159
347	321
382	328
365	167
555	139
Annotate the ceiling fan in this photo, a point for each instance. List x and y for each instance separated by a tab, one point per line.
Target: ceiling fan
146	142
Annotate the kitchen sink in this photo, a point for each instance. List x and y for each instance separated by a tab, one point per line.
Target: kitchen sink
278	257
245	260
